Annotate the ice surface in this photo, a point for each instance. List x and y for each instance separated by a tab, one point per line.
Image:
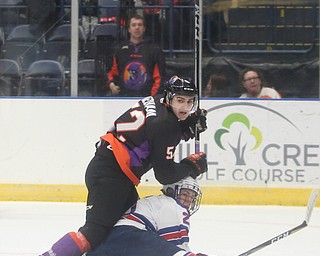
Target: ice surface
31	228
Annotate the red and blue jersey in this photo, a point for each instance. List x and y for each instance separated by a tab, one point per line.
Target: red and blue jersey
162	215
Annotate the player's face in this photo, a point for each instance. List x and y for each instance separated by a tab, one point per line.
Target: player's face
136	28
186	197
182	105
252	83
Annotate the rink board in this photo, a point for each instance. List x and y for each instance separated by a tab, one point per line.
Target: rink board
211	195
260	152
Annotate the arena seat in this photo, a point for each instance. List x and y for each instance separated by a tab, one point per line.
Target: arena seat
44	78
22	46
10	77
102	41
58	45
12	14
2	39
87	78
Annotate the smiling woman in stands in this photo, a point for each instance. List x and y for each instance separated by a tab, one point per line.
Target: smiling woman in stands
254	85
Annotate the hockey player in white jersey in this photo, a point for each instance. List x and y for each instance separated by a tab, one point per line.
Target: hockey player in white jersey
156	225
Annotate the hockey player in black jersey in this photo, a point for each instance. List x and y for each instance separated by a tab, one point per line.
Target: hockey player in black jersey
143	137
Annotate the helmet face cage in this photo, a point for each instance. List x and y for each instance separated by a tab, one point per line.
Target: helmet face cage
181	86
187	183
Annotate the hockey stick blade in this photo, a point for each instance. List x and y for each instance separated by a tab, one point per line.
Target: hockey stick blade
311	204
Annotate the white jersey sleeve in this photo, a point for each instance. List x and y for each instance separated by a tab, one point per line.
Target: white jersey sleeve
162	215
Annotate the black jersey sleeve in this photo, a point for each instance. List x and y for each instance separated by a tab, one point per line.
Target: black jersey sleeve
164	138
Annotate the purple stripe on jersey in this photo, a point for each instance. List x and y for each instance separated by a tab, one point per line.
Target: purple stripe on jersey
139	154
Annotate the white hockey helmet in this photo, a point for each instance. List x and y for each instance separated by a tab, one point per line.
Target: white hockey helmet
173	190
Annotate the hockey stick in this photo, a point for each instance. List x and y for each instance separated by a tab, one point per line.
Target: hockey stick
197	59
311	203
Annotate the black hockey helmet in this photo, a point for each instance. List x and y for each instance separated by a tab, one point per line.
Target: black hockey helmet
180	86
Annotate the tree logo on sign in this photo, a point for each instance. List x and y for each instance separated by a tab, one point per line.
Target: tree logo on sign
239	135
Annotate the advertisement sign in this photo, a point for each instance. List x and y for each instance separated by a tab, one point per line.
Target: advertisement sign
261	143
253	143
259	151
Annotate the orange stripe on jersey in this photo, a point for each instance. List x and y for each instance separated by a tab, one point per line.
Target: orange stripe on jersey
157	80
114	70
121	154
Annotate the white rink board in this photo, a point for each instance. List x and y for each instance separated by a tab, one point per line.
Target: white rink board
262	143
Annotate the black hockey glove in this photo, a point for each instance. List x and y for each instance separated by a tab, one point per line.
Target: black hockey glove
198	162
197	119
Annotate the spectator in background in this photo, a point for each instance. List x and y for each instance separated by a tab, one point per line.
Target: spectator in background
217	17
217	86
89	15
255	86
152	17
42	16
138	65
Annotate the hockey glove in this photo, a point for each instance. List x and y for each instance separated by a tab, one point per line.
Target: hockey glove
198	162
197	119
